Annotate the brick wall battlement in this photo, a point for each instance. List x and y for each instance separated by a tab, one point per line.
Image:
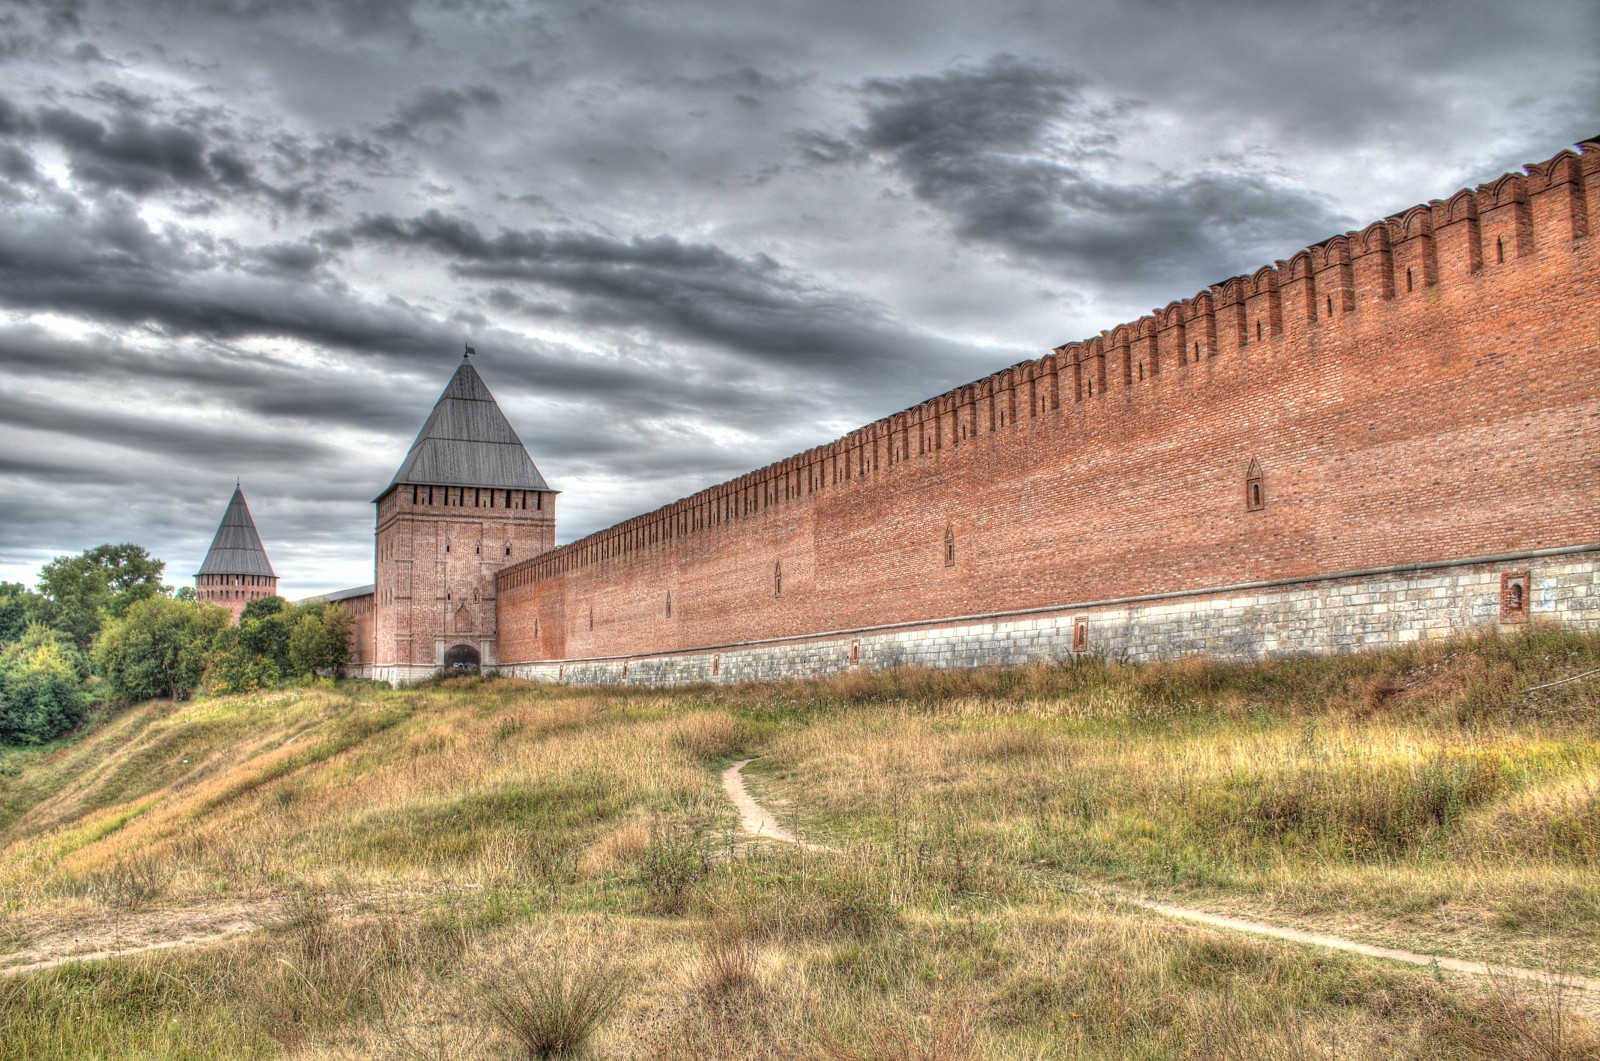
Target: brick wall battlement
1352	289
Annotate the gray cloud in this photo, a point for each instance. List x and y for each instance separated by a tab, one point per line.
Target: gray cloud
1016	155
132	155
440	106
749	306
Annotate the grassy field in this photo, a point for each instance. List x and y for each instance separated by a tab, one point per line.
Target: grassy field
478	868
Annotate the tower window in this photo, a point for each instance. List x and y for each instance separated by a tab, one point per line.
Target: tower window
1255	497
1500	250
1330	305
777	579
1408	280
950	547
508	550
669	604
1080	634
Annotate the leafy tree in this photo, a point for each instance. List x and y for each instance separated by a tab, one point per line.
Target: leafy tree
268	637
230	668
18	607
262	607
320	639
41	695
107	579
160	648
305	644
185	593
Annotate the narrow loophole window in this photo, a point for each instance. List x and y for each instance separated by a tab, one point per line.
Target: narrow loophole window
949	547
669	604
777	579
1255	497
1330	305
1408	281
1080	634
1500	250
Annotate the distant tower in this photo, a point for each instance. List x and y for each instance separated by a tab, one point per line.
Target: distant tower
466	502
236	570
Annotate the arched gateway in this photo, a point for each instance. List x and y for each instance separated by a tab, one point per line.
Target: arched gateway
461	659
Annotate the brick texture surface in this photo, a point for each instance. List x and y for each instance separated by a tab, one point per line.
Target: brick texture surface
1422	390
438	549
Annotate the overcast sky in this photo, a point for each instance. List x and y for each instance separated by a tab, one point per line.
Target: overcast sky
249	238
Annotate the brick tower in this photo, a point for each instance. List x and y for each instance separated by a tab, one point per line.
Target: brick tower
236	569
466	501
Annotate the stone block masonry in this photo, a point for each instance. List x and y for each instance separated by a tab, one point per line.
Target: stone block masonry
1347	613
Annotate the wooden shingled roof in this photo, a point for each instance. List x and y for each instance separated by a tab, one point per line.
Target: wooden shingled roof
467	441
237	548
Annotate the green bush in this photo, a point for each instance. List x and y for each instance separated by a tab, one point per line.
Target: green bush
41	693
159	648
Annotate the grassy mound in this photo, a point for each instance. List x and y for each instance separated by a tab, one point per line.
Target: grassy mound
493	869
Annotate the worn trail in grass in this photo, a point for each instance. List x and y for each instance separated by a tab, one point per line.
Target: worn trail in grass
760	824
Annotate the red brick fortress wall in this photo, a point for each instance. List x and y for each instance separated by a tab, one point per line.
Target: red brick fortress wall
1423	390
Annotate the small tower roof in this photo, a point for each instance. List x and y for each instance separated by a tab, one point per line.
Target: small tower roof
467	441
237	549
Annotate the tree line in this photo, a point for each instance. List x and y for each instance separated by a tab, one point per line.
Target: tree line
100	627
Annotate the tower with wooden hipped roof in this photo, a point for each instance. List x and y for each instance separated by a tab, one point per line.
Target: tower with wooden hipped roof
236	570
466	502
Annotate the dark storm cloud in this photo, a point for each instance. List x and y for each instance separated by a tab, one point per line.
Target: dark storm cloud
751	306
110	266
1017	155
131	152
17	165
440	106
132	155
164	437
13	121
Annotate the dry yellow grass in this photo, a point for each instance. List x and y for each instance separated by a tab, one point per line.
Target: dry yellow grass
417	851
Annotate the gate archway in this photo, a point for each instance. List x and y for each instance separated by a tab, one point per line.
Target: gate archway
461	659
